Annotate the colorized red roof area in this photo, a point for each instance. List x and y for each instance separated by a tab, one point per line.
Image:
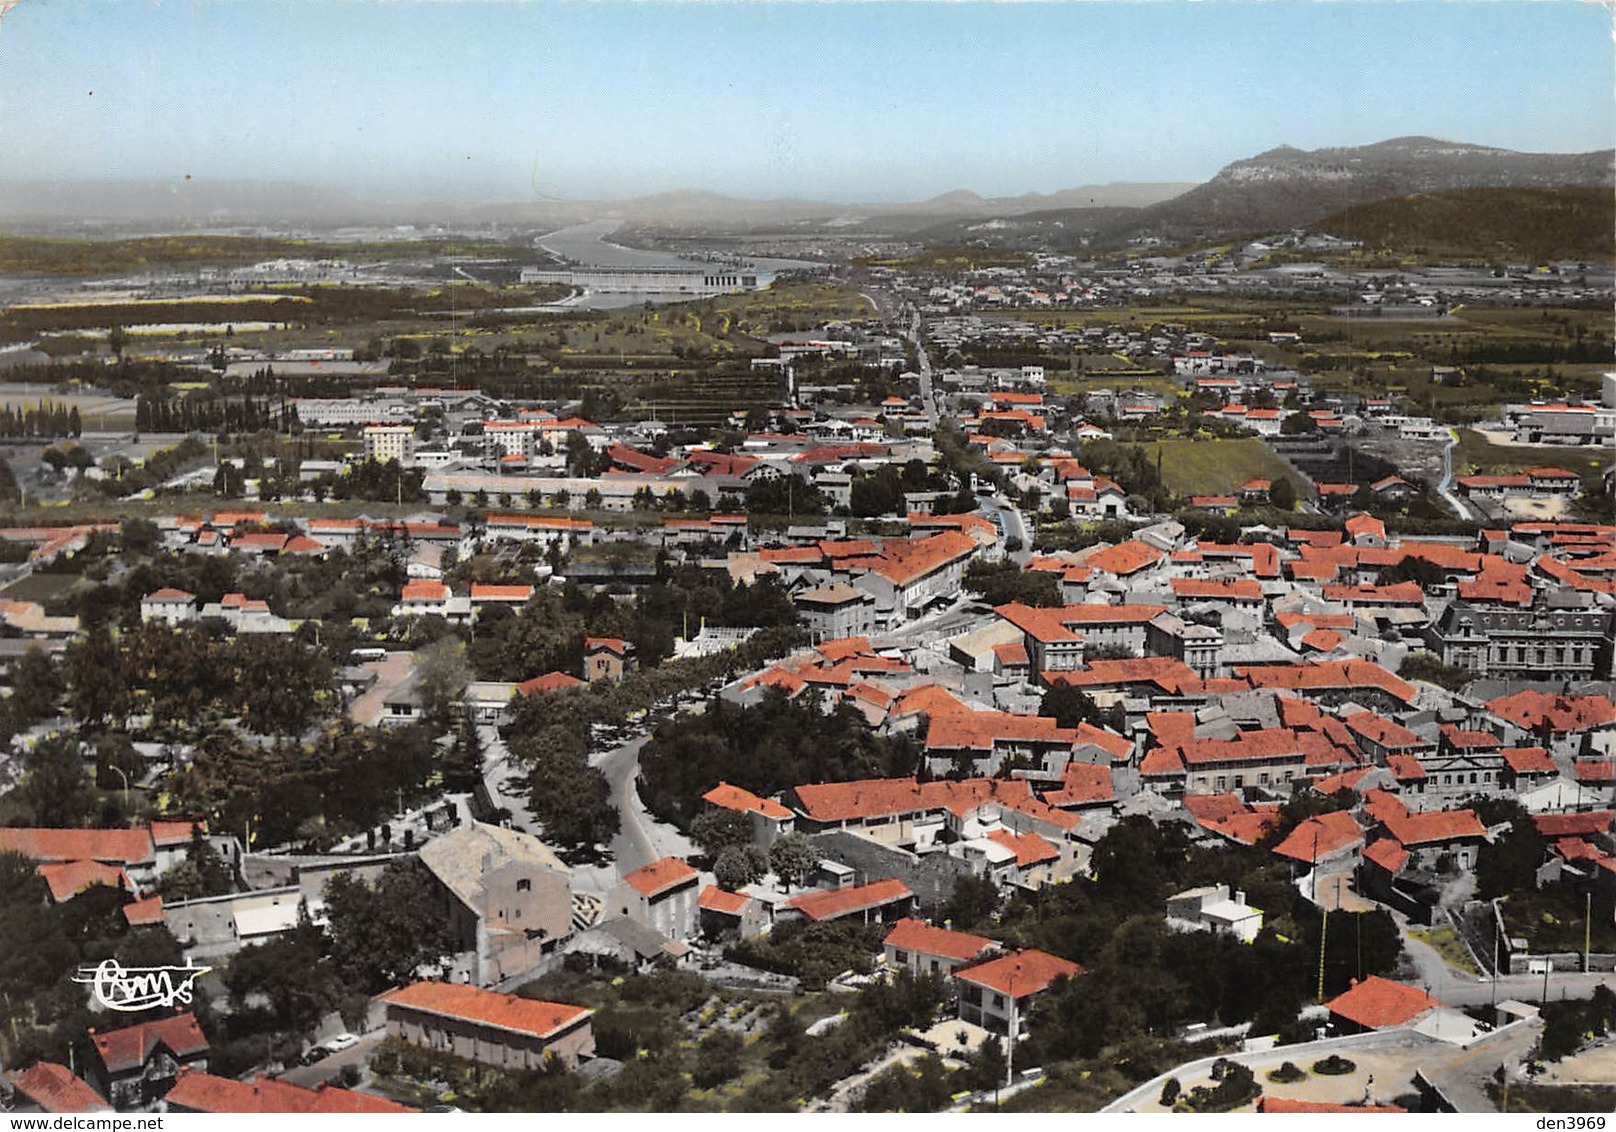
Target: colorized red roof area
166	833
1379	1004
1384	732
715	899
729	797
503	1011
607	644
1082	784
168	595
1388	854
1167	673
142	912
120	846
1321	837
1597	771
1202	589
660	876
549	682
133	1045
832	904
916	935
982	730
423	589
1020	973
1533	710
54	1089
1283	1104
203	1092
69	878
1434	826
1325	675
1029	848
489	592
1529	760
1125	558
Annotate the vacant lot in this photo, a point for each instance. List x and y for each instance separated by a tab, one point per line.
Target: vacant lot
1478	454
1214	467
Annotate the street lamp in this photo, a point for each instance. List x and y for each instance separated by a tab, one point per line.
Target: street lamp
125	777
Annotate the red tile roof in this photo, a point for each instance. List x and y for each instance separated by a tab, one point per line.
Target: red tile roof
203	1092
1082	784
1529	760
1029	848
549	682
982	730
610	644
1388	854
1597	771
1321	837
69	878
482	592
132	1046
1125	558
834	903
54	1089
423	589
147	911
917	935
1020	973
1380	1004
1385	732
1324	675
489	1008
1433	827
1165	672
1531	710
168	595
113	846
734	798
715	899
1205	589
660	876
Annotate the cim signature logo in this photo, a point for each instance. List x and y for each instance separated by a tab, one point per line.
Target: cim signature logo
117	987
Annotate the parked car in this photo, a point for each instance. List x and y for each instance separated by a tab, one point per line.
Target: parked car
341	1042
315	1053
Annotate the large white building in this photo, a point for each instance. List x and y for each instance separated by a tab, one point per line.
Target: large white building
390	442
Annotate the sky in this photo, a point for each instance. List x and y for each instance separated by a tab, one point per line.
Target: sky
509	100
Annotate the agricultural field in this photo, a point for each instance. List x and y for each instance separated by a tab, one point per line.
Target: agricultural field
77	258
1214	467
1476	453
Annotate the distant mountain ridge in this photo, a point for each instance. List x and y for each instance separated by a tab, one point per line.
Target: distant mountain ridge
1291	188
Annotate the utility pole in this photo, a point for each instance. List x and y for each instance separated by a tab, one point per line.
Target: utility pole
1587	928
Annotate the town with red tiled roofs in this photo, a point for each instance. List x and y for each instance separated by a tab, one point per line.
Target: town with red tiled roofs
851	696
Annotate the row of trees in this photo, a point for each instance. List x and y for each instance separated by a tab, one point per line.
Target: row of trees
185	677
45	420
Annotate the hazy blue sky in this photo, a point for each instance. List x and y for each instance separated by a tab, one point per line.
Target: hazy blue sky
510	99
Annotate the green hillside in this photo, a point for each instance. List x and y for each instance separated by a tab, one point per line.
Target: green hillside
1485	225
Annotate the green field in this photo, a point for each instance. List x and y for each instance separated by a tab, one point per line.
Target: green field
31	256
1478	454
1215	467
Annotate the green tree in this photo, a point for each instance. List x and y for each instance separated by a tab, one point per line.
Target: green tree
1283	494
716	830
53	785
792	858
381	934
739	866
442	673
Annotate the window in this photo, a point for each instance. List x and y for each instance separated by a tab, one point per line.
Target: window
524	885
998	1000
900	956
